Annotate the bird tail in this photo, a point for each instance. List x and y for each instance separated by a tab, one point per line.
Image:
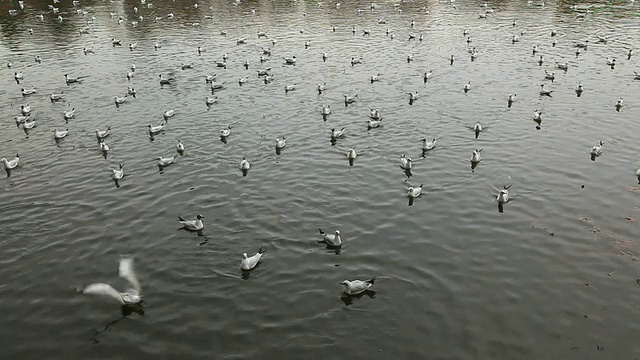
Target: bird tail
180	218
372	280
321	232
262	250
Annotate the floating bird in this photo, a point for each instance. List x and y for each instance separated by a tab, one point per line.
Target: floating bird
355	287
414	191
70	114
248	263
406	163
88	50
335	134
322	87
103	147
131	91
549	75
355	61
185	66
225	132
290	60
467	87
26	92
192	225
426	76
153	130
596	150
168	114
70	80
619	104
164	162
629	54
59	134
636	75
288	88
428	145
579	89
132	46
180	147
349	99
118	174
326	110
244	164
512	98
331	239
11	164
280	144
27	125
352	154
544	92
101	134
564	66
375	77
211	100
452	59
611	62
503	196
537	116
374	123
131	296
475	156
119	100
116	42
25	109
242	80
18	75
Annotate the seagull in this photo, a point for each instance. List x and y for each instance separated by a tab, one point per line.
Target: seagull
25	109
169	113
355	61
512	98
321	87
611	62
100	135
405	162
225	132
115	42
409	58
38	59
619	104
326	110
119	100
629	54
352	154
11	164
153	130
350	99
331	239
70	80
244	164
162	162
374	123
59	134
544	92
375	77
540	60
429	145
537	116
288	88
335	134
414	192
26	92
70	114
118	174
210	100
475	156
280	143
579	89
192	225
503	196
596	150
467	87
355	287
242	80
131	296
564	66
132	46
180	147
290	61
130	75
131	91
103	147
29	124
413	96
248	263
186	66
19	75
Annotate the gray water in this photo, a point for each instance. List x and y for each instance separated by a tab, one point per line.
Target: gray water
551	277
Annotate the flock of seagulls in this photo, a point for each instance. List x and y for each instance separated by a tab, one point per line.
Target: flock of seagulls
133	295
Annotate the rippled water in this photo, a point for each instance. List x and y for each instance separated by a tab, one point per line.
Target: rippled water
553	276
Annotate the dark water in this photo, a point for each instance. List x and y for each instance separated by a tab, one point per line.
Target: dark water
552	277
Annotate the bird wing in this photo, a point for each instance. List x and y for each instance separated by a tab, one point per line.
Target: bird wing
126	272
104	290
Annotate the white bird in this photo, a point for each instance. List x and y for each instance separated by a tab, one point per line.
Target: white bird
596	150
162	161
242	80
352	154
429	145
130	75
405	162
156	129
537	115
280	143
131	296
101	134
104	147
132	46
169	113
335	134
25	109
467	86
56	97
350	99
374	123
118	174
326	110
192	225
210	100
19	75
225	132
70	114
503	196
244	164
331	239
414	191
115	42
11	164
288	88
413	96
375	77
59	134
355	287
355	61
290	61
186	66
321	87
250	262
611	62
561	66
427	76
119	100
26	92
545	92
550	75
475	156
180	147
619	103
512	98
28	124
131	91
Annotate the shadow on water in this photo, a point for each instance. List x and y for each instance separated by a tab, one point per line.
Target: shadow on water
348	299
500	207
125	310
474	165
244	172
223	139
